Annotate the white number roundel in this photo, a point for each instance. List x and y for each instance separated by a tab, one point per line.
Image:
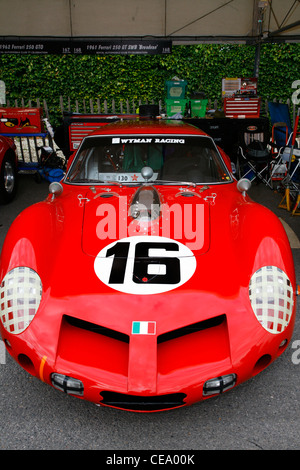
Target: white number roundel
145	265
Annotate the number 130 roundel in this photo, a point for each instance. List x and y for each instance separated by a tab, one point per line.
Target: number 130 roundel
145	265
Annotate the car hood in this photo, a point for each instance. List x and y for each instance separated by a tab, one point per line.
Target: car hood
175	212
200	239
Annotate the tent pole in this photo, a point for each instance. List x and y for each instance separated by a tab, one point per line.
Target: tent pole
257	59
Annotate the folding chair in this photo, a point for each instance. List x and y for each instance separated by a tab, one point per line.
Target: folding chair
281	122
280	139
253	156
292	180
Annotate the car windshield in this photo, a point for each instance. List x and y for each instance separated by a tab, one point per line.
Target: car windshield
123	159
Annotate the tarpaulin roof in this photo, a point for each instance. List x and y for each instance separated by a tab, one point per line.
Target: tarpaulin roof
179	21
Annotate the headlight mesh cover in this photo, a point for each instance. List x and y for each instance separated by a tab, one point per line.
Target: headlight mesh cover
271	296
20	296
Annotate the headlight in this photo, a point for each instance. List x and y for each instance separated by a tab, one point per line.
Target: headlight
219	384
67	384
20	296
271	297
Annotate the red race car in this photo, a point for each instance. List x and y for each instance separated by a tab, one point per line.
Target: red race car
148	280
8	170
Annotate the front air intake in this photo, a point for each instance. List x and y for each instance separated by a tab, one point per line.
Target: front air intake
193	328
142	403
95	328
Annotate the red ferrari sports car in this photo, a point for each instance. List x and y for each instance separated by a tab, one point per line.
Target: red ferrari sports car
148	279
8	169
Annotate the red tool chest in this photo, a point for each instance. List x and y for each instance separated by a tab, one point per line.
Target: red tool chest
21	121
242	107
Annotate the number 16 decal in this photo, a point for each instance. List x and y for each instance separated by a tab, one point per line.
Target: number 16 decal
145	265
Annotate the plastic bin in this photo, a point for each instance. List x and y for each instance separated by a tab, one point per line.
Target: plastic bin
176	89
198	108
175	107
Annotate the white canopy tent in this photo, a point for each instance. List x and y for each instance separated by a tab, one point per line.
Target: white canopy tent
188	21
143	26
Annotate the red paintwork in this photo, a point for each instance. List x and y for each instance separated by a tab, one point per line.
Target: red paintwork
6	144
240	237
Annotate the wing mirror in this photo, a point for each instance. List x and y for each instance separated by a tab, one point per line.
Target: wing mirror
244	185
55	188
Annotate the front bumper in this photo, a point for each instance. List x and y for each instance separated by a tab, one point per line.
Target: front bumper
151	372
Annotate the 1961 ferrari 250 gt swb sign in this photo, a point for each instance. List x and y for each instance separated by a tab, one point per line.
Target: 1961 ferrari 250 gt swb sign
148	279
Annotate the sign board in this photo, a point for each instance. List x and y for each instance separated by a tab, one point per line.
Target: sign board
83	46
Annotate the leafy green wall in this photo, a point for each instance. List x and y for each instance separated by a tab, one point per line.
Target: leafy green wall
137	77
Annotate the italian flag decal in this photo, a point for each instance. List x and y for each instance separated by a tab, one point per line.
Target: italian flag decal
143	327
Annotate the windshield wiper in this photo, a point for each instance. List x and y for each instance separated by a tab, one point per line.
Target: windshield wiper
147	174
94	181
176	183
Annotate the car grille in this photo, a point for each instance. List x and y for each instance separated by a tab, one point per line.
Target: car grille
142	403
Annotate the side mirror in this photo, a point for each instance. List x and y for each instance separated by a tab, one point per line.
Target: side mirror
55	189
244	185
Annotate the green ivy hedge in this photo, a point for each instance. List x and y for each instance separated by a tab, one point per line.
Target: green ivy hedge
135	77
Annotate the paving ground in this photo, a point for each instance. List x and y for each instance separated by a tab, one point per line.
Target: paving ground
262	413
